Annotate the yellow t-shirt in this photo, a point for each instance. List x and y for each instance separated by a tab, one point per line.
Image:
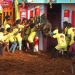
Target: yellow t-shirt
1	36
31	37
15	30
18	37
71	32
5	22
6	26
61	41
55	31
20	26
8	37
5	38
11	37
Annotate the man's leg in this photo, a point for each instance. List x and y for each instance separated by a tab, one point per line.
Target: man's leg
14	46
11	47
20	45
31	47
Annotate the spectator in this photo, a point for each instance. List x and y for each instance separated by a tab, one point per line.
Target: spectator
1	41
7	23
61	45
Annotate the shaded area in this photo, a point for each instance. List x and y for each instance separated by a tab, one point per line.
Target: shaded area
54	15
27	64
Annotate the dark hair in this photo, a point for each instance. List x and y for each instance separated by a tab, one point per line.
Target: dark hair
65	23
7	17
8	30
2	30
69	25
18	21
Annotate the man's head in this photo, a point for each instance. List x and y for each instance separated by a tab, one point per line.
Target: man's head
2	30
8	19
65	23
8	29
18	21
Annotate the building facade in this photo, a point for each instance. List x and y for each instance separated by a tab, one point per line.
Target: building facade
62	10
34	8
6	8
67	11
38	7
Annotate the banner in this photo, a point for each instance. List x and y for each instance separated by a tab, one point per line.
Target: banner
66	15
17	14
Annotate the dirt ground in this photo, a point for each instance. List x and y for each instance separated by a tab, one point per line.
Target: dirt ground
20	63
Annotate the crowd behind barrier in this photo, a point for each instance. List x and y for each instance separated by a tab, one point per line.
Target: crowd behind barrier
22	35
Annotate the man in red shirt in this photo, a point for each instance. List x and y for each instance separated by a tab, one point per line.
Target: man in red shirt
36	43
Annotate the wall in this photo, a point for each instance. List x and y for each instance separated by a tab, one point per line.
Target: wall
33	6
70	7
54	15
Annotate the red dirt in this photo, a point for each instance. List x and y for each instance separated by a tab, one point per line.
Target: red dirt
26	64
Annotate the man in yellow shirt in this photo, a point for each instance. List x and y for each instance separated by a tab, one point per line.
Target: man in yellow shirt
31	38
67	28
62	45
55	31
71	33
6	39
18	31
19	36
20	27
7	23
13	42
9	37
1	41
19	40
